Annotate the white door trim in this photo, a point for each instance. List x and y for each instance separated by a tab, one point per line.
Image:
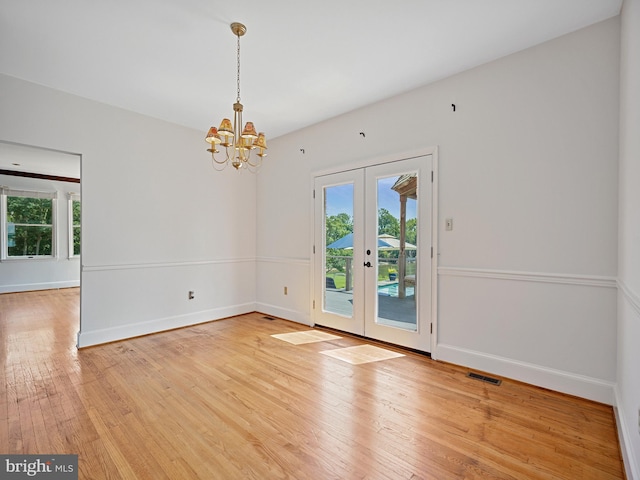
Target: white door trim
433	151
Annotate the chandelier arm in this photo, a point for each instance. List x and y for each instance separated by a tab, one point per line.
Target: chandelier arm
222	162
254	165
230	151
253	168
215	164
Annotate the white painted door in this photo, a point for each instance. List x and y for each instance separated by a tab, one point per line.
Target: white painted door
372	262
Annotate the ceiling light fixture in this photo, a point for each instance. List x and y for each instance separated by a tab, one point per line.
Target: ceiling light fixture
237	144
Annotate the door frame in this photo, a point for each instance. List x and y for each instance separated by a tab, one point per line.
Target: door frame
433	151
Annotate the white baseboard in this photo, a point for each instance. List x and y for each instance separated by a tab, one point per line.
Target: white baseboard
96	337
560	381
631	465
285	313
29	287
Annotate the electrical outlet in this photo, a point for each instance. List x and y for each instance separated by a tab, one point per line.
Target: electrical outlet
285	290
192	294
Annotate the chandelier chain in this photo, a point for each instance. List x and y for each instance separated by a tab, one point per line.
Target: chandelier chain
238	77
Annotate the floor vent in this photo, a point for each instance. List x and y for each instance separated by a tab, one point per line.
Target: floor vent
266	317
484	378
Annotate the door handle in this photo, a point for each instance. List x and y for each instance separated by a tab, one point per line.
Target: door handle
368	264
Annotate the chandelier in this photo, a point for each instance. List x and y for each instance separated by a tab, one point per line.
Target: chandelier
237	144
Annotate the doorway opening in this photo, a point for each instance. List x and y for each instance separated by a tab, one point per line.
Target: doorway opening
40	241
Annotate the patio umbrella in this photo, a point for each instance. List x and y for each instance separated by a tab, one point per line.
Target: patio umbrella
347	242
393	243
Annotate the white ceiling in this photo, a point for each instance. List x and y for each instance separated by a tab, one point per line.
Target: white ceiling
23	158
301	62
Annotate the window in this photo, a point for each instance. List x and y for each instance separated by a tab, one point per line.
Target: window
28	220
74	225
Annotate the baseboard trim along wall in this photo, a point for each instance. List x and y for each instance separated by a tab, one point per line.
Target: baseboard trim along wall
97	337
556	331
564	382
285	313
29	287
624	438
125	301
283	288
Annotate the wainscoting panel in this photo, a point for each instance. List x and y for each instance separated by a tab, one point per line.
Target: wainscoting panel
555	331
155	297
627	386
274	274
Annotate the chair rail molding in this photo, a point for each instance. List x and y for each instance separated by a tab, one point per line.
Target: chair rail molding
566	279
134	266
285	260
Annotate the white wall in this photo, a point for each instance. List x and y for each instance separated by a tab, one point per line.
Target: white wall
157	221
41	274
628	385
528	172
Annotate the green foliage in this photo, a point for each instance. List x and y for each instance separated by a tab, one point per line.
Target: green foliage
27	210
76	226
412	231
339	279
30	230
76	212
337	226
387	223
384	269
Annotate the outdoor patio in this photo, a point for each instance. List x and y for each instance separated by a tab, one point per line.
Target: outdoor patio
392	311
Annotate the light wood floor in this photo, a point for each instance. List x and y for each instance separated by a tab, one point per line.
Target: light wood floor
225	400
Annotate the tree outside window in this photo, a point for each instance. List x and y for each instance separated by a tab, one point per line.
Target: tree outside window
75	225
29	226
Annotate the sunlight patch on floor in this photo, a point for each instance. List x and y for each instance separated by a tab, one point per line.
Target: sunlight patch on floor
361	354
310	336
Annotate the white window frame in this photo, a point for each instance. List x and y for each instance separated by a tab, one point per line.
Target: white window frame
14	192
73	197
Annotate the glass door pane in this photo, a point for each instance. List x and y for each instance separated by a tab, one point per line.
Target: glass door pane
397	250
338	268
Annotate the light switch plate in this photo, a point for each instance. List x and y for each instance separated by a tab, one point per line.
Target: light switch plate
448	224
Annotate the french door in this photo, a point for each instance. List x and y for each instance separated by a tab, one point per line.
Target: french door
372	262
